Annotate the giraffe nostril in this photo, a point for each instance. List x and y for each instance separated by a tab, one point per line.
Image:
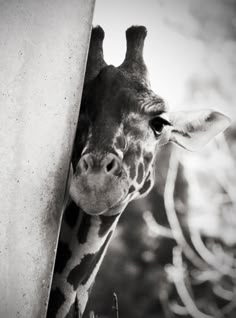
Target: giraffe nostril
111	166
85	163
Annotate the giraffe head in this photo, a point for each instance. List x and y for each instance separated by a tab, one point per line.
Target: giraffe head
122	123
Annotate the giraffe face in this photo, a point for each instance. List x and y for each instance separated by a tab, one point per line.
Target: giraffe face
122	123
120	126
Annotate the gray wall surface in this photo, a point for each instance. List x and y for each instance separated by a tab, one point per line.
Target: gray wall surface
43	50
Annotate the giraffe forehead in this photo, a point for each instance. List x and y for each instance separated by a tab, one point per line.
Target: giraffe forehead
133	117
124	113
139	133
118	131
151	102
136	124
134	133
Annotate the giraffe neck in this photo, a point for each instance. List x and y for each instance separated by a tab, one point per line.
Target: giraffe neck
82	245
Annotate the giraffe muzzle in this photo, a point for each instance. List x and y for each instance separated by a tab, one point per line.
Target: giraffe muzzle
99	183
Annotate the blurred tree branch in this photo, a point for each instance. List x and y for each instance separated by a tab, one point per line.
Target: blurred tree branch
177	273
210	265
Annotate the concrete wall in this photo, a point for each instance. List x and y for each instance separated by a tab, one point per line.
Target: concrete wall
43	49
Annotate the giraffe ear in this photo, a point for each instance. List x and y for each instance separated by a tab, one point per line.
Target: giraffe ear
193	130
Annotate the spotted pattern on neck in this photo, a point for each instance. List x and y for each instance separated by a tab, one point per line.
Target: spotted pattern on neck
78	260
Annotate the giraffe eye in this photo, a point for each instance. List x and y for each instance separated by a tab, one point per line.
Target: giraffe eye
157	124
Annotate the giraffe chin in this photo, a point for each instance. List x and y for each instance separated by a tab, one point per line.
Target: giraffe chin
100	209
108	202
112	210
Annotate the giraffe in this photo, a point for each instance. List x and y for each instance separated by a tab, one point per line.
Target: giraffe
122	124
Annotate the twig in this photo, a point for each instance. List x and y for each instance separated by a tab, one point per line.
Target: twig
91	314
209	274
209	257
178	309
154	227
223	293
229	307
223	181
116	305
178	278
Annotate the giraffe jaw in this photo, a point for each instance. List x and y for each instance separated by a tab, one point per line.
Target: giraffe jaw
94	200
114	209
117	208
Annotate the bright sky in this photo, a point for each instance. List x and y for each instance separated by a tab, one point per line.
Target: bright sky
190	49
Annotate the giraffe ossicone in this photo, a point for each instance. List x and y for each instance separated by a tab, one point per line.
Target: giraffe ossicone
121	125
